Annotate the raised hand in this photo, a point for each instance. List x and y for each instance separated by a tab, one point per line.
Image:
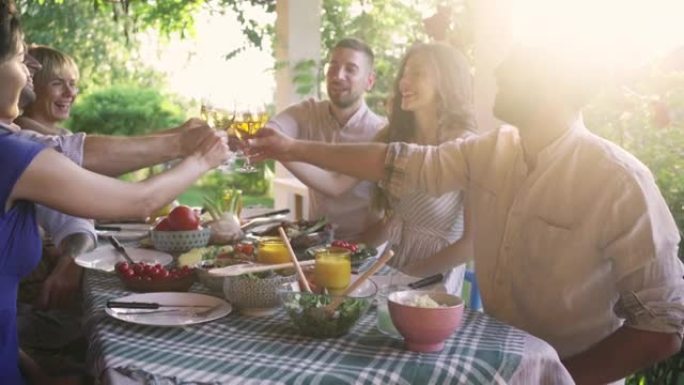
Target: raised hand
188	124
213	149
192	135
270	143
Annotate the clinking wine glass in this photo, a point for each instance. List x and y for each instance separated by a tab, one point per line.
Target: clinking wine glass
220	120
249	126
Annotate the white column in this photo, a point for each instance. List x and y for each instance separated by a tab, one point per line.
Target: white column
493	32
298	37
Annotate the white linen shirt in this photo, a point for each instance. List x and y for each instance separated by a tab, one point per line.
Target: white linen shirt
567	252
312	120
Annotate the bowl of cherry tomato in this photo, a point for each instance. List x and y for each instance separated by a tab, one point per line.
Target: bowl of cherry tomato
180	241
146	277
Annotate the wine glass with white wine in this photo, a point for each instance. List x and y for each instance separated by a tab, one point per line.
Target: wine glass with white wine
249	126
223	120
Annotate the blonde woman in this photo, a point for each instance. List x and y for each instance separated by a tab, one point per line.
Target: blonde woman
56	87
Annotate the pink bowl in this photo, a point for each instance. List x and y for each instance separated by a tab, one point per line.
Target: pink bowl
425	329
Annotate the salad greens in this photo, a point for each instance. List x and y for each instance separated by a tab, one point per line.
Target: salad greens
304	309
363	253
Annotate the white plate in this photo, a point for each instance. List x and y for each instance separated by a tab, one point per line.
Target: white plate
169	316
128	232
105	257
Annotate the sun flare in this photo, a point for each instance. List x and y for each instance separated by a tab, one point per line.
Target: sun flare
619	32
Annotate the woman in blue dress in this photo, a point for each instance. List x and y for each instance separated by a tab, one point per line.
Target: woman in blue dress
31	173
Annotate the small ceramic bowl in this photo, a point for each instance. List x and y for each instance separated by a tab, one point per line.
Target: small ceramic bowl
180	241
211	282
255	296
425	328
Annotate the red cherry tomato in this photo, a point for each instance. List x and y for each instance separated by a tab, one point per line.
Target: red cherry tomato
148	270
353	247
183	218
122	266
127	274
137	268
244	248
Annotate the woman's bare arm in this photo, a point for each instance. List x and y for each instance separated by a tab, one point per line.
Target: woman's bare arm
329	183
360	160
53	180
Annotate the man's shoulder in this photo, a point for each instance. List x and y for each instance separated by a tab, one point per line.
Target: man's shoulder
614	161
500	138
612	153
308	106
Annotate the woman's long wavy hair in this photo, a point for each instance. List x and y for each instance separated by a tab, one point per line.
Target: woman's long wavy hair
455	108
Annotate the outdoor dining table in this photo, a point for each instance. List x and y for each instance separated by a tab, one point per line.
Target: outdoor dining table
239	349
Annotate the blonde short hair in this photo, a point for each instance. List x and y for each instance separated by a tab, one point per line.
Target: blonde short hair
54	64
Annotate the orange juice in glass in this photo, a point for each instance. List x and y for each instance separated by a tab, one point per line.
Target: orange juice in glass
272	250
333	269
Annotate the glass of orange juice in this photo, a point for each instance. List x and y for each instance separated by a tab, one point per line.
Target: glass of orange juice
333	269
272	250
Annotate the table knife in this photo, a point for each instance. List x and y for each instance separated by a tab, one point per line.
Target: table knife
147	305
426	281
269	214
117	245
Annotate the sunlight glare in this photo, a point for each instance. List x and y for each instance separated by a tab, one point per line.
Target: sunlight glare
197	69
620	33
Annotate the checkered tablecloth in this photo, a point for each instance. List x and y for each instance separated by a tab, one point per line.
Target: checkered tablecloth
268	350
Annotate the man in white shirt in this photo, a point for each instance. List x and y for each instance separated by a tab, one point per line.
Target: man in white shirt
343	118
572	240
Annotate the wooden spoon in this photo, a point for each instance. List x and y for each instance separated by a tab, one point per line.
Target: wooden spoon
337	300
246	268
294	260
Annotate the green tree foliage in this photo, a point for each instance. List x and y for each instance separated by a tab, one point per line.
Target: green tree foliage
124	110
95	39
647	119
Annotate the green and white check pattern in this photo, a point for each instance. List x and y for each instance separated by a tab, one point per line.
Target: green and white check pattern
268	350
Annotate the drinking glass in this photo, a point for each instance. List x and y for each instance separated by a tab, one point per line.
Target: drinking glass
384	320
249	126
220	119
333	269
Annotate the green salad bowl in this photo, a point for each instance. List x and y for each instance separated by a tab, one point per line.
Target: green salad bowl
307	314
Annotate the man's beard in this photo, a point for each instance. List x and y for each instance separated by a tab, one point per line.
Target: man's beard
26	97
345	102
